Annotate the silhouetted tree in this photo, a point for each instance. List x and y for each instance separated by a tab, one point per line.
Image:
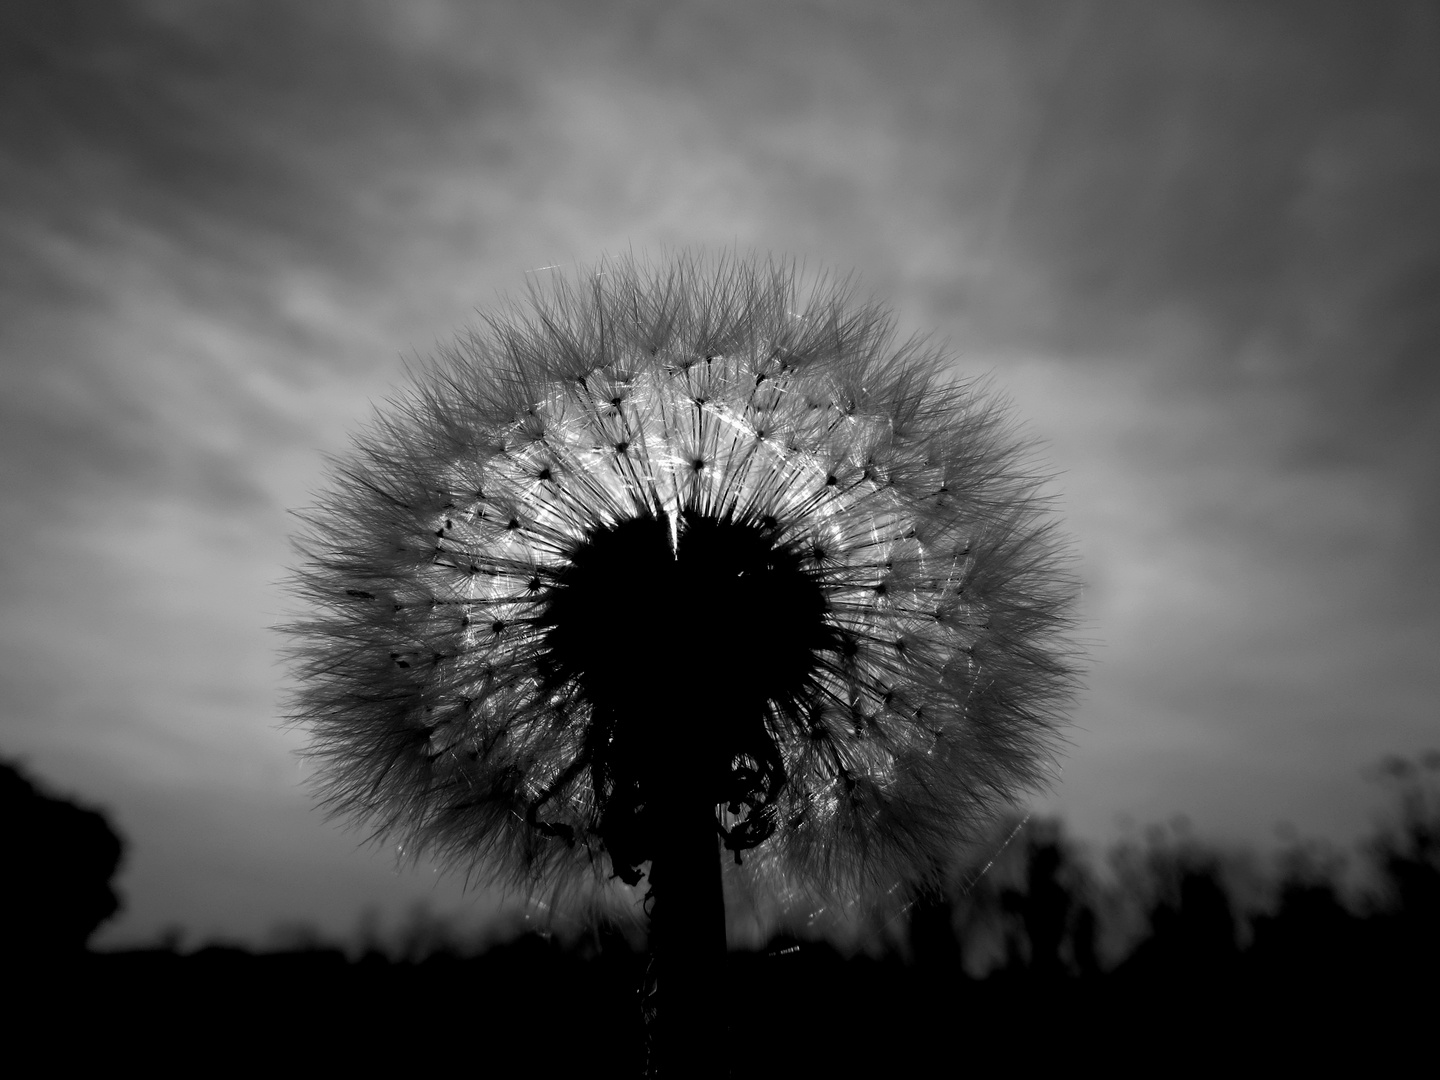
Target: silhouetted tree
1406	855
1193	935
1200	930
1053	931
61	858
1045	908
1311	935
933	939
676	558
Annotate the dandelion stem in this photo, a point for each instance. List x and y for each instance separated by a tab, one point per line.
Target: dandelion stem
687	941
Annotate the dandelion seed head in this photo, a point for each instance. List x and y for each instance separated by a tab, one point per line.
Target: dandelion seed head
684	526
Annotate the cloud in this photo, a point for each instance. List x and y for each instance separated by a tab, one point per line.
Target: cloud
1261	174
1197	241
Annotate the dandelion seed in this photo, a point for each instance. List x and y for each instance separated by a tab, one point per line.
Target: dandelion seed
748	566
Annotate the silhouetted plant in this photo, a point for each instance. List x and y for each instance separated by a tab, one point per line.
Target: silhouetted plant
1407	848
679	553
1406	854
1310	933
65	856
1052	905
1183	892
933	939
1028	909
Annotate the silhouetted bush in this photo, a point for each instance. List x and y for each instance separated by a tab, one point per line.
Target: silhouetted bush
61	858
1406	856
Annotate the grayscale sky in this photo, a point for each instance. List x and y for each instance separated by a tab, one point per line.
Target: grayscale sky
1198	244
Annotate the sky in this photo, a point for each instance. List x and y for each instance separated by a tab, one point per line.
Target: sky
1197	245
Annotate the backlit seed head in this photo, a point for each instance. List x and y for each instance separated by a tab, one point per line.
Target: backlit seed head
674	530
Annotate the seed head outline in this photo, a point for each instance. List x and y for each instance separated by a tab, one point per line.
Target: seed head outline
688	526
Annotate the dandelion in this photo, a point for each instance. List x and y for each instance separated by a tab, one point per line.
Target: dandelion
678	552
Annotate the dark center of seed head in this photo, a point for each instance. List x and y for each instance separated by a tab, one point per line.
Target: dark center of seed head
684	638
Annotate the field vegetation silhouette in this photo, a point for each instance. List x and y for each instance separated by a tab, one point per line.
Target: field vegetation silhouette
1167	947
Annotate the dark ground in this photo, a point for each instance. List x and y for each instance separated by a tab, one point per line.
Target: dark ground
533	1008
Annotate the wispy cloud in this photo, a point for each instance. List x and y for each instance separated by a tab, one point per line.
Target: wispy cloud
1197	242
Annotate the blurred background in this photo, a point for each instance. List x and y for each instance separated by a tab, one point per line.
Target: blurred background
1196	243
